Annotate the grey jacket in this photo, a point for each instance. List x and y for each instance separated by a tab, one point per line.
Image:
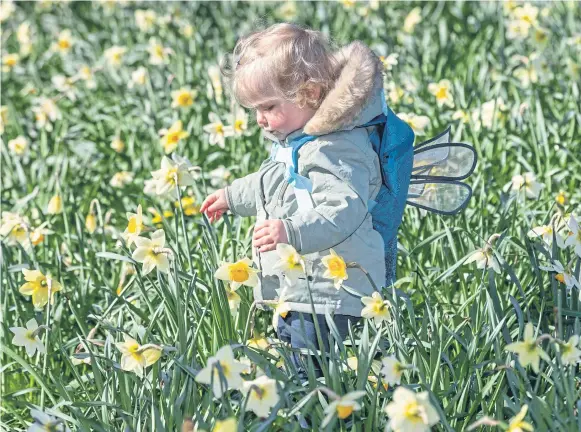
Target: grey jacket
345	173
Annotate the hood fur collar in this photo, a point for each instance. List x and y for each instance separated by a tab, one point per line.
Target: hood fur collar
358	78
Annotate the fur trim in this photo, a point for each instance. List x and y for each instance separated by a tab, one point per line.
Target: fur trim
358	75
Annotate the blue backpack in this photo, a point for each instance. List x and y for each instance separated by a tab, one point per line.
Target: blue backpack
427	176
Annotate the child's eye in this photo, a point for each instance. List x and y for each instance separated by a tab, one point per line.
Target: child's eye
269	108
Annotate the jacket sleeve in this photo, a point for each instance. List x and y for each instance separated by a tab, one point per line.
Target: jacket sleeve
340	172
240	195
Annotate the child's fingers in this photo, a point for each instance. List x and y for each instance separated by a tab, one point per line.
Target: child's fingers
209	200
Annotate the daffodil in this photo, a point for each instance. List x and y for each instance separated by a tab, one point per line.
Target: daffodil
574	237
517	29
376	308
286	11
91	222
485	259
261	395
121	179
563	275
528	350
239	273
38	285
413	18
390	61
219	176
28	338
228	425
46	112
172	174
145	19
138	77
461	115
344	406
216	129
65	85
9	61
172	136
23	37
114	55
14	227
281	307
487	113
7	8
239	126
55	205
561	198
527	12
517	423
135	357
528	183
570	354
409	411
183	97
443	93
18	145
546	233
158	54
417	123
233	299
64	42
151	252
392	370
219	367
187	30
44	422
117	144
336	268
189	205
134	226
86	74
291	264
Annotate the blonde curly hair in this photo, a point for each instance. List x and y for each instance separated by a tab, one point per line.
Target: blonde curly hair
284	61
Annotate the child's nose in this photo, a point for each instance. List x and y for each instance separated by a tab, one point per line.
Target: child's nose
260	119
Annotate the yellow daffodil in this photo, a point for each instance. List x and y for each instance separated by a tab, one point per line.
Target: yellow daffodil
216	130
151	252
570	354
183	97
291	264
18	145
38	285
561	198
157	218
55	205
417	123
261	395
392	370
336	268
443	93
189	206
528	351
171	137
28	338
412	19
114	55
230	370
409	411
517	423
138	77
238	273
164	179
376	308
345	405
91	222
135	357
134	227
228	425
117	144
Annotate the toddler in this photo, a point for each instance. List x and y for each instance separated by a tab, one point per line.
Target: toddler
300	87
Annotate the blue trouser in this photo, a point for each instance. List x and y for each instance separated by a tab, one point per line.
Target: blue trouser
301	335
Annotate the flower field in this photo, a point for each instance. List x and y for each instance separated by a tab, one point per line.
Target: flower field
124	309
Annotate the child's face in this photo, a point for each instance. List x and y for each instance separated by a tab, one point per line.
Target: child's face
281	117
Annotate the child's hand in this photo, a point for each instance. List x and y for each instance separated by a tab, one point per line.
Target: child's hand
268	234
215	205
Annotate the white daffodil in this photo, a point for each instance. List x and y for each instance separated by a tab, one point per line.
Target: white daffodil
135	358
28	338
216	129
528	183
219	176
546	233
291	264
14	228
487	113
563	275
336	268
239	126
233	299
261	395
158	54
412	20
392	370
344	406
46	112
64	42
44	422
171	175
485	257
390	61
239	273
416	122
570	354
65	86
138	77
443	93
409	411
517	29
281	307
86	74
18	145
574	236
222	366
376	308
134	226
145	19
529	352
114	55
152	252
121	179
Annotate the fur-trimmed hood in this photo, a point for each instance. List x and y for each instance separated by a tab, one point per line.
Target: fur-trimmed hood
355	98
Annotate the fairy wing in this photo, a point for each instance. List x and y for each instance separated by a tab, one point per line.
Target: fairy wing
438	167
